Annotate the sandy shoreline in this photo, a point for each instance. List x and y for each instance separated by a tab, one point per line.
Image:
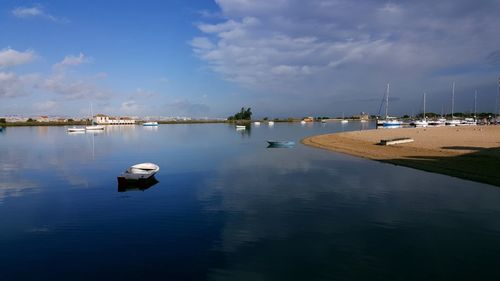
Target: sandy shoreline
467	152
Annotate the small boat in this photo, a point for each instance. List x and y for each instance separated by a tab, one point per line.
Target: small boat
392	124
256	123
240	127
271	123
94	128
150	124
273	143
453	122
76	130
303	122
323	120
420	123
138	172
344	121
364	120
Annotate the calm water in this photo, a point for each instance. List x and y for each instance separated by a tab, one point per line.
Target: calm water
228	208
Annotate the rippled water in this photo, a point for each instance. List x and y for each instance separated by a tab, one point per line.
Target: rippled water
228	208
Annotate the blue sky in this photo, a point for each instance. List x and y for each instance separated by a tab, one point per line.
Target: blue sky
209	58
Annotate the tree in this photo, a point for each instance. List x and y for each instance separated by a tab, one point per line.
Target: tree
244	114
30	120
2	120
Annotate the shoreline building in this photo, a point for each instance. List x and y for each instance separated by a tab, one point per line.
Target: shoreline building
103	119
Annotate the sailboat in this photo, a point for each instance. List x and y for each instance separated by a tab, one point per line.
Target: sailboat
93	127
453	121
344	121
388	122
422	122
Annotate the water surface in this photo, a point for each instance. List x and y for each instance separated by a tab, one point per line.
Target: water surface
228	208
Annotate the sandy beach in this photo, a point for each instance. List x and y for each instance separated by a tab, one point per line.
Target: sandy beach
467	152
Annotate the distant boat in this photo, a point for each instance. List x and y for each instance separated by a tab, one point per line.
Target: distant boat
138	172
323	120
256	123
453	121
271	123
388	122
422	122
273	143
76	130
303	122
150	124
93	127
364	120
343	121
240	127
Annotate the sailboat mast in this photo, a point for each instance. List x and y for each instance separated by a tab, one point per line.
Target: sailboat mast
424	106
452	99
475	103
387	101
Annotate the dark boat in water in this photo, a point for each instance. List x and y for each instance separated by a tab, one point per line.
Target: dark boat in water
280	143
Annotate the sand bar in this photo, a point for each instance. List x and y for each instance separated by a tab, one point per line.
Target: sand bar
467	152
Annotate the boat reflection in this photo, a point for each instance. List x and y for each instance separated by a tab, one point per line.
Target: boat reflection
135	185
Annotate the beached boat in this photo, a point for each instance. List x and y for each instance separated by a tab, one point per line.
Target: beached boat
453	122
273	143
150	124
468	122
142	171
388	122
422	122
76	130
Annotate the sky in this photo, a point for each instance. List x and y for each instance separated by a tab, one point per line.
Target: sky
282	58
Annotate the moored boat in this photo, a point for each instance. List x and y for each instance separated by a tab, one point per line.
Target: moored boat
94	128
76	130
271	123
150	124
142	171
273	143
240	127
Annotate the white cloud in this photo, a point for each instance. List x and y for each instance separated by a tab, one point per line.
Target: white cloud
36	11
316	47
72	60
10	57
46	106
70	88
12	85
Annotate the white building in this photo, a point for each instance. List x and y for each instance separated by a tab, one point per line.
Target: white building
102	119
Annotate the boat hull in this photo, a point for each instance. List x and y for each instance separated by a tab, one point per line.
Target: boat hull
280	143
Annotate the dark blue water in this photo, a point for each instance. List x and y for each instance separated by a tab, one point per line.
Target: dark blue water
228	208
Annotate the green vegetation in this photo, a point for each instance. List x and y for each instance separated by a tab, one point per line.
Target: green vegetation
244	114
2	121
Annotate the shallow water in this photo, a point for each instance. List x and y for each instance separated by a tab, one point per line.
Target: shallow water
228	208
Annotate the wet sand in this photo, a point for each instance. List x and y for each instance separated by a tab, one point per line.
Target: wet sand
467	152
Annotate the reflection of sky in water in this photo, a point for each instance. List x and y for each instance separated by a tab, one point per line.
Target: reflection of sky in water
228	208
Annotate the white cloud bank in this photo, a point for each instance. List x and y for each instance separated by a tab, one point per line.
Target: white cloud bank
341	48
